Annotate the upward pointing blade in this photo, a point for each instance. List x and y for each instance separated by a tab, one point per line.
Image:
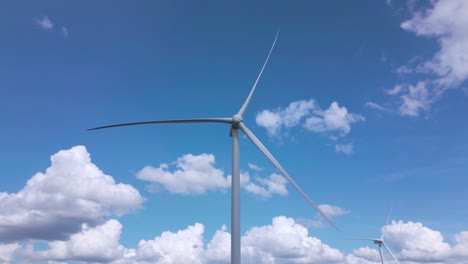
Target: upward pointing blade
389	251
386	224
193	120
247	101
272	159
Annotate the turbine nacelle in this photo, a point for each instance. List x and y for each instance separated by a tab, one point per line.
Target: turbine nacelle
236	119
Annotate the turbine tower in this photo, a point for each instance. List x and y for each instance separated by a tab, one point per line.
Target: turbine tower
236	123
380	242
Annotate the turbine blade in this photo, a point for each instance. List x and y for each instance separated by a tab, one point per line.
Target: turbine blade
272	159
247	101
386	224
194	120
362	238
389	251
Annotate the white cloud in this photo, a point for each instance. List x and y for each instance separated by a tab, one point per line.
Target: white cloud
445	20
282	241
416	242
269	120
274	184
396	90
218	249
363	255
295	246
98	244
308	113
291	116
417	99
55	204
335	118
45	23
255	167
332	210
185	246
448	22
195	174
345	148
7	251
376	106
259	245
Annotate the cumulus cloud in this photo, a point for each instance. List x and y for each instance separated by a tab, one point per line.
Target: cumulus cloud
335	118
218	249
45	23
195	174
55	204
363	255
308	114
261	244
185	246
282	241
274	120
416	243
274	184
98	244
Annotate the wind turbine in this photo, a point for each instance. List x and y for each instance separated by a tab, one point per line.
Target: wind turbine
380	242
236	123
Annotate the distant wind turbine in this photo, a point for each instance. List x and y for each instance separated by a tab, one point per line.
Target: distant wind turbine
236	123
380	241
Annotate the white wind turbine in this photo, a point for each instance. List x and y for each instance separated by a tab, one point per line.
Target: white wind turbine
380	242
236	123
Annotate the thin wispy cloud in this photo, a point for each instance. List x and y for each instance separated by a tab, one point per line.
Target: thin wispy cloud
344	148
45	23
376	106
65	31
447	22
255	167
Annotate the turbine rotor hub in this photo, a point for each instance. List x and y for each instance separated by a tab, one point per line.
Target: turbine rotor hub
236	119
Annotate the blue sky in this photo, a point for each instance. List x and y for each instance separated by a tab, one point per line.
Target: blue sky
363	103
